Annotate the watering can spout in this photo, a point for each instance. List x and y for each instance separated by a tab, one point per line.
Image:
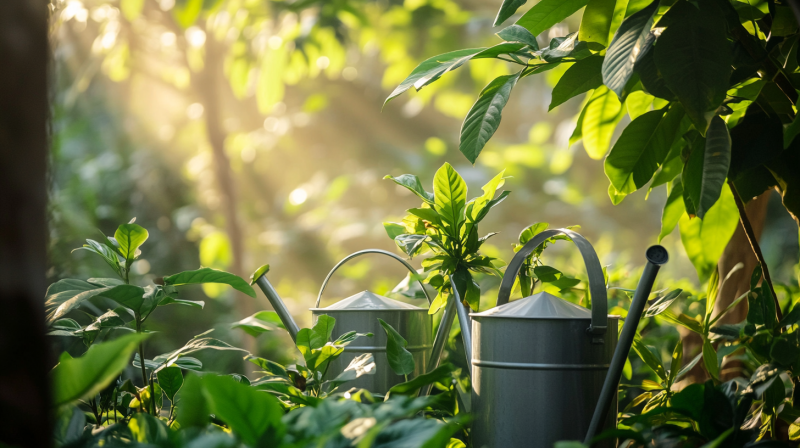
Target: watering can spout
656	257
280	307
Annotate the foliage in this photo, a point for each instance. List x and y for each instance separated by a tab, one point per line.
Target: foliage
180	404
721	87
447	225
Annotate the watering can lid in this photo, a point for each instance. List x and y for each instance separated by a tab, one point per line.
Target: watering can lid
538	306
366	300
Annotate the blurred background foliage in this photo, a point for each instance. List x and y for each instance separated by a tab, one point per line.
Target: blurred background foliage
244	132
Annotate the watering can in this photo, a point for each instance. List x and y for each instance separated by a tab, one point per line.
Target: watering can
544	369
360	313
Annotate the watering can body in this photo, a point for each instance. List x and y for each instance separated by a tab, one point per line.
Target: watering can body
360	313
540	385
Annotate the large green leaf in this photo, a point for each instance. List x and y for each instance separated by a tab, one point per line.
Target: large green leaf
507	9
705	239
673	210
547	13
432	69
129	237
108	255
400	360
708	166
450	194
441	373
631	41
484	118
170	379
581	77
130	296
83	377
324	327
307	342
600	117
254	416
596	21
516	33
66	294
413	184
642	147
259	322
694	57
208	275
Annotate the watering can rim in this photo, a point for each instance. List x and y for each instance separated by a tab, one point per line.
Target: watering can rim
394	305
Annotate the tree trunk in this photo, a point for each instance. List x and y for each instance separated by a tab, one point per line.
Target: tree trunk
24	382
210	81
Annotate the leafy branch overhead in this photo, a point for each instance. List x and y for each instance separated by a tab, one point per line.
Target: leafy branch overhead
710	87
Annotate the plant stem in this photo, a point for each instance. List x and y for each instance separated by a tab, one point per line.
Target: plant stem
751	237
141	361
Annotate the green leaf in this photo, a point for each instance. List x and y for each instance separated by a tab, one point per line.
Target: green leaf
507	9
694	57
258	273
484	117
363	364
581	77
400	360
170	379
130	296
600	117
346	338
412	183
547	274
662	303
411	244
64	295
208	275
108	255
705	239
516	33
761	307
707	170
307	341
171	300
259	322
147	429
324	327
673	210
710	360
649	358
450	193
547	13
394	229
630	43
428	214
78	378
643	145
253	416
672	165
468	290
596	21
196	344
677	361
268	366
129	237
785	351
567	46
442	373
432	69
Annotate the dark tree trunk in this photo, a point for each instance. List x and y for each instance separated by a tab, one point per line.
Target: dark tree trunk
24	381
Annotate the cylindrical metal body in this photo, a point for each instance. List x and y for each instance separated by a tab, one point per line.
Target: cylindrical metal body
413	324
536	381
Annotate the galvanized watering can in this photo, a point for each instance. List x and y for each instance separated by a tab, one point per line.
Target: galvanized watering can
544	369
360	313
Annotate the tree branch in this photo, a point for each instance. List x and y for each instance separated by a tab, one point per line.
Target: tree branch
751	237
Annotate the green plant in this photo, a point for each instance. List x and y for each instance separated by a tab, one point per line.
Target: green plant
447	225
287	406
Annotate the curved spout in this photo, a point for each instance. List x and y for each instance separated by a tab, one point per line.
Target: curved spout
656	256
279	306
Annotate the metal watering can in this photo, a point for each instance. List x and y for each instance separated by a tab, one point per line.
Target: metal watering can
360	313
542	365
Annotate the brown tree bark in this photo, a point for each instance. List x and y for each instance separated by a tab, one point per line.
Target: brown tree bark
210	81
25	409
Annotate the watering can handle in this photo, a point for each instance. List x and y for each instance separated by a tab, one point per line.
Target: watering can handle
597	284
364	252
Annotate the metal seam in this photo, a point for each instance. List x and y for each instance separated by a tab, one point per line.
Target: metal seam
537	366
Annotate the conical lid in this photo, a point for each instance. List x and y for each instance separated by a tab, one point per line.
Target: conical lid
539	306
366	300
